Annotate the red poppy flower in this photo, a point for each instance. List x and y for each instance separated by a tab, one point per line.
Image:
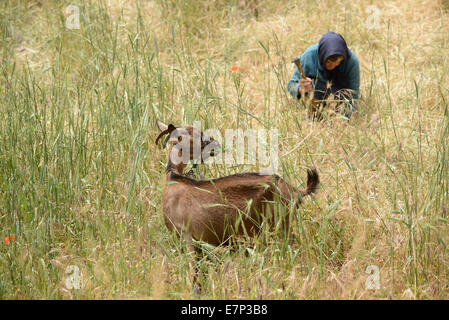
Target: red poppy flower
13	237
235	68
7	240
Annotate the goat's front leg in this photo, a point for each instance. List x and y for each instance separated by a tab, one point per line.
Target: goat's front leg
192	253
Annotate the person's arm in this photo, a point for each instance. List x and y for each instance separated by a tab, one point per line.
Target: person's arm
293	85
308	64
353	74
297	82
354	77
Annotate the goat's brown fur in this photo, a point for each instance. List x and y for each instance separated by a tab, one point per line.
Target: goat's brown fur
214	210
211	208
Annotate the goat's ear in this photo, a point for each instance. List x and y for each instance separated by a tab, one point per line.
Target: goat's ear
162	126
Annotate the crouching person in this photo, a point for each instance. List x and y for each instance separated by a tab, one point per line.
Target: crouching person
330	68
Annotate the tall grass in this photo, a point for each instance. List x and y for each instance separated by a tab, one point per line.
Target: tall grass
81	178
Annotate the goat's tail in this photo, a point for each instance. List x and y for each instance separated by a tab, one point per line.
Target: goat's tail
313	181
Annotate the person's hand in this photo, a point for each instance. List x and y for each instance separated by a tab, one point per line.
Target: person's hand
305	85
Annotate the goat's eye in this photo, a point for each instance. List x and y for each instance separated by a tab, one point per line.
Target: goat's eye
179	139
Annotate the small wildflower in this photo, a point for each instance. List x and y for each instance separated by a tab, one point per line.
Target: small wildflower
8	239
234	68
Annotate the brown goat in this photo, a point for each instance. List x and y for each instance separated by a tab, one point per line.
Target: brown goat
214	210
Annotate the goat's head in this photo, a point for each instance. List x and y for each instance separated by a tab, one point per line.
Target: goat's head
186	143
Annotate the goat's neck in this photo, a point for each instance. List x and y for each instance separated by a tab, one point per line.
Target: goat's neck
173	168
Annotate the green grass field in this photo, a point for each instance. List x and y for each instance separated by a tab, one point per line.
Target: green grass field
81	178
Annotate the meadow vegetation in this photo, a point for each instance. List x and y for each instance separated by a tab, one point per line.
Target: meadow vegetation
81	178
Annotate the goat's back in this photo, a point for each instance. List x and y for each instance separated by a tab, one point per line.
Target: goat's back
213	210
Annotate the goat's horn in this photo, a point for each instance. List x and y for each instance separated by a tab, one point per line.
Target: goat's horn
161	135
164	144
169	130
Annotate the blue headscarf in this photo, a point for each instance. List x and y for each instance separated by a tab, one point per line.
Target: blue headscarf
331	44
